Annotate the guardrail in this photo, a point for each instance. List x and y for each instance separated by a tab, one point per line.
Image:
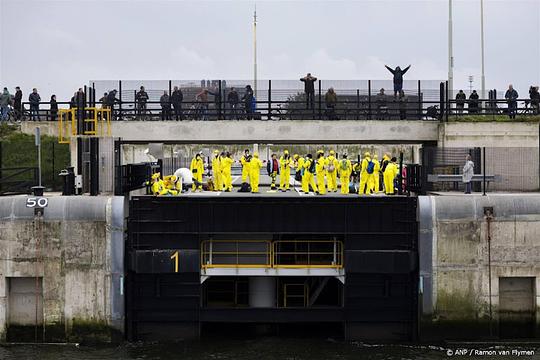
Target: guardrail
287	254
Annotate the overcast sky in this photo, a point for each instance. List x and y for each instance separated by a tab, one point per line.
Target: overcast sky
59	45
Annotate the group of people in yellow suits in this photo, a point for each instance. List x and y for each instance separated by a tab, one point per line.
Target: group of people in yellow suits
319	174
370	169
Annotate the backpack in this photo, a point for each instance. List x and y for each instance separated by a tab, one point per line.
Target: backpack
312	167
331	167
245	187
344	166
370	167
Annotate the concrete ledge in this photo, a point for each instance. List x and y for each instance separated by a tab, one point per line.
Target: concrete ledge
251	131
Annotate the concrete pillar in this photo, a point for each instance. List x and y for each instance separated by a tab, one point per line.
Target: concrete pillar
262	292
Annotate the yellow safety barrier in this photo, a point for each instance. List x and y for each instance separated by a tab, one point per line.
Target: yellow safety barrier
291	254
99	118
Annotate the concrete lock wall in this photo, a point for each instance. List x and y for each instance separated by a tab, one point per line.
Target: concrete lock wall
77	251
456	260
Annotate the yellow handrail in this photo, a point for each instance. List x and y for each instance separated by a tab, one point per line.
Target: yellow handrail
229	254
99	118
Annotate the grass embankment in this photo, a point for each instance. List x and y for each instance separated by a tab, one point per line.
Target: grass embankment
494	118
19	150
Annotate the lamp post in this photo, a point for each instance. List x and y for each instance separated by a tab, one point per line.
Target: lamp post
483	79
255	52
450	52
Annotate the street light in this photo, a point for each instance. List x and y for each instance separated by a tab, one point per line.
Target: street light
483	79
450	51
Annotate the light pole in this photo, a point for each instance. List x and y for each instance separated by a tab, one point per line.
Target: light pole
450	52
483	79
255	52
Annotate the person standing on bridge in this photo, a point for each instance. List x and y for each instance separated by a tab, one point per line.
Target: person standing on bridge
5	101
141	98
309	88
53	110
176	98
460	102
165	103
511	97
398	78
17	104
468	172
34	100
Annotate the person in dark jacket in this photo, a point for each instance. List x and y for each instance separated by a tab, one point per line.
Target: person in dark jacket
111	100
53	110
248	102
141	98
34	100
165	103
103	100
534	95
398	78
382	107
233	100
473	102
272	167
511	97
330	99
309	88
460	102
17	103
176	98
402	100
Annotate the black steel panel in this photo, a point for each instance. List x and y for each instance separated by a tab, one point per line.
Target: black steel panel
379	234
162	261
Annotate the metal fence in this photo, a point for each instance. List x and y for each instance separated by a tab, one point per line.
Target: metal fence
505	169
287	100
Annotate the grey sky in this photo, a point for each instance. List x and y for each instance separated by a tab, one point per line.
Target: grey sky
59	45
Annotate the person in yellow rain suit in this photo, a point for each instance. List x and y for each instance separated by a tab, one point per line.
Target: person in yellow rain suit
157	187
332	170
345	170
197	169
321	172
226	164
298	165
255	166
285	164
169	185
389	174
308	177
366	174
216	172
244	161
376	171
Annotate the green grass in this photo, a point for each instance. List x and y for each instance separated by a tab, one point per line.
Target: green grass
494	118
19	150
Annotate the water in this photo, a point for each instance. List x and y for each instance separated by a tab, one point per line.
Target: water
253	349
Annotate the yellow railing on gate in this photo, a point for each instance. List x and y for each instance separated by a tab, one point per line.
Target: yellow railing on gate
236	254
291	254
98	118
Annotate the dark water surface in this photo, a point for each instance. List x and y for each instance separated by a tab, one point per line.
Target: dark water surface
256	349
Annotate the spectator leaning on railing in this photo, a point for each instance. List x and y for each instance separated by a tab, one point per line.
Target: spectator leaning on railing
165	103
53	110
460	102
233	100
330	99
141	98
473	102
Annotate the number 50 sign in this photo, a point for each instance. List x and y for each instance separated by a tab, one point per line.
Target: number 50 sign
39	202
